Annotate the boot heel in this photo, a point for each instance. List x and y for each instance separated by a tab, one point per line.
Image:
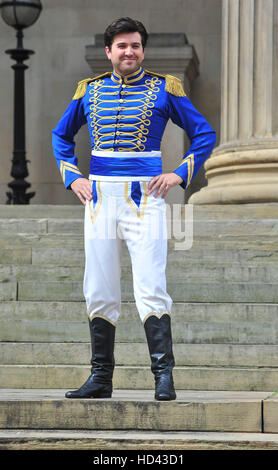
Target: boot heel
101	394
104	395
101	391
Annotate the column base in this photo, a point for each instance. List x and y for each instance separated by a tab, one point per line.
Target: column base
240	175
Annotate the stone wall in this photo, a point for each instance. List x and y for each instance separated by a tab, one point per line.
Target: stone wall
59	39
243	168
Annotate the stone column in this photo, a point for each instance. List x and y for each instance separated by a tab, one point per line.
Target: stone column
167	53
244	167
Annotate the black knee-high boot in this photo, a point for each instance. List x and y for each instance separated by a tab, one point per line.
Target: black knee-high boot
159	338
99	384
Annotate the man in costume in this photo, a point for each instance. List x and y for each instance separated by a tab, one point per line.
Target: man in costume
126	111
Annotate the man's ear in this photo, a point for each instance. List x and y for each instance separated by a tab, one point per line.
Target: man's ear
108	52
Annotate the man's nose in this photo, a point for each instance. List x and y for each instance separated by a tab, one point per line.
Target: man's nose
129	51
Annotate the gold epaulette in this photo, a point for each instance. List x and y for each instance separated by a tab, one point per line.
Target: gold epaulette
172	84
82	85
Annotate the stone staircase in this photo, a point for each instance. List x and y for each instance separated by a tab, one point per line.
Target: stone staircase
224	321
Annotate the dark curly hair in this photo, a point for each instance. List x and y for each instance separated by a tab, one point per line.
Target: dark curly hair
124	25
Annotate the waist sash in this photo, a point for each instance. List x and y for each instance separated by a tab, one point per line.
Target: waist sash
125	166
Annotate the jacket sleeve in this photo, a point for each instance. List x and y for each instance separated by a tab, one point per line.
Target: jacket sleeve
198	130
63	141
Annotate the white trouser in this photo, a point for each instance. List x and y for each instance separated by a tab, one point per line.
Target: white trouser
116	213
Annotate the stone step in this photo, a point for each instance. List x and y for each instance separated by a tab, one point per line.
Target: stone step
69	257
223	242
43	211
180	291
136	354
203	212
59	256
149	443
133	410
73	241
183	332
74	312
145	444
32	240
42	273
140	377
17	255
176	271
75	257
176	227
234	211
8	291
191	322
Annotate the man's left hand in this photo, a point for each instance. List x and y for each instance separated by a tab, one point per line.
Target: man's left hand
162	183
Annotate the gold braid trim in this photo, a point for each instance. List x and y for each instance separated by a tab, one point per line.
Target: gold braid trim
97	315
172	84
155	314
82	85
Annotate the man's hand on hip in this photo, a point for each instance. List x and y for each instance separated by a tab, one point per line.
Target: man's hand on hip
162	183
83	189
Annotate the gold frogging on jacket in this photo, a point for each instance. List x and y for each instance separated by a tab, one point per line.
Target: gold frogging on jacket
127	133
173	84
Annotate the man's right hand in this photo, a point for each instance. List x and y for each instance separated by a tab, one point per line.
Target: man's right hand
83	189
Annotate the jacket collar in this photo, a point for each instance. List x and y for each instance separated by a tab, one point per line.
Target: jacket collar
131	78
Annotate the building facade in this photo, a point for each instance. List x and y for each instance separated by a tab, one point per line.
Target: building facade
244	166
185	41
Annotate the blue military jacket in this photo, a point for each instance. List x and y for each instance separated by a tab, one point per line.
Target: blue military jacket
129	114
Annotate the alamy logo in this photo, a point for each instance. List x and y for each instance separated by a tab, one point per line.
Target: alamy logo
168	221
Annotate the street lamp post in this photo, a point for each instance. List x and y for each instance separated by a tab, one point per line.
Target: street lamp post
19	14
